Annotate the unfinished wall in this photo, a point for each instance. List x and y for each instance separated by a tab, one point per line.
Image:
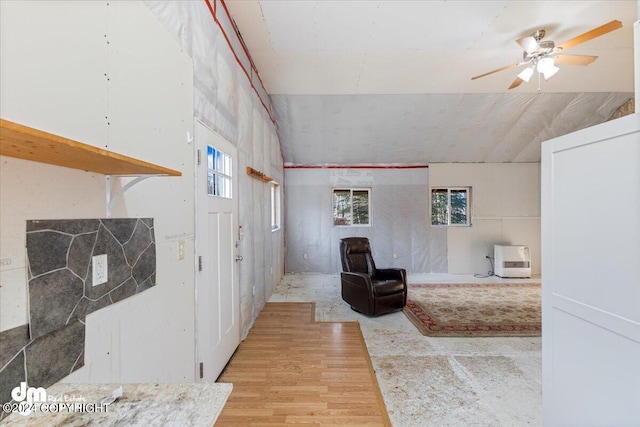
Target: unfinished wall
106	74
505	209
229	98
61	292
399	216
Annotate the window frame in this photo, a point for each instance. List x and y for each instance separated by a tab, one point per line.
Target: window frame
275	206
212	170
449	189
351	190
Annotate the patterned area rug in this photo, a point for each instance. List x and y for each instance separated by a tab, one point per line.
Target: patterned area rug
475	310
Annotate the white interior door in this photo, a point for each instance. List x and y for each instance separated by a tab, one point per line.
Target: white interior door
217	284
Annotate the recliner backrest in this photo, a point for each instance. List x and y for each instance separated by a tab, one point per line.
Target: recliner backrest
355	254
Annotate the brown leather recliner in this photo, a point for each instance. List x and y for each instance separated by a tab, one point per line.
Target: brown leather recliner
367	289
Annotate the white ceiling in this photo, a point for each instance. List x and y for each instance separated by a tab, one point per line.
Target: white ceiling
390	81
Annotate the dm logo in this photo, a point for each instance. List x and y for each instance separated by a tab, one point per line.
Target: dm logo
29	395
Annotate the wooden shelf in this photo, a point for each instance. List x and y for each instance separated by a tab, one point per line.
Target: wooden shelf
258	175
27	143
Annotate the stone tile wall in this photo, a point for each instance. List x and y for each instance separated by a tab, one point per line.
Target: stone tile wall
61	293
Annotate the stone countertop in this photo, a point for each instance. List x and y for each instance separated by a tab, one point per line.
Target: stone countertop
140	405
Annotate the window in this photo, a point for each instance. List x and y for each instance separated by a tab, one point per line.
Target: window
219	173
450	206
351	206
275	206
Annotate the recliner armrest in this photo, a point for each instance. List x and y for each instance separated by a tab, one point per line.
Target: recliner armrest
361	280
392	274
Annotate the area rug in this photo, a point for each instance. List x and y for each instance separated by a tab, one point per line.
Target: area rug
475	310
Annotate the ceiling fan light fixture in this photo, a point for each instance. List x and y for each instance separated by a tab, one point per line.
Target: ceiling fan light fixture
541	54
547	67
526	74
551	72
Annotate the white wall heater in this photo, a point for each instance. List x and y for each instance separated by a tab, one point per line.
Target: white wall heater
512	261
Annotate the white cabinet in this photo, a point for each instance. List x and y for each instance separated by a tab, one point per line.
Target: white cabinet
591	276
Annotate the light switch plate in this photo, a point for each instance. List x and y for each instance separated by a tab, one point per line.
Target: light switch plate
100	269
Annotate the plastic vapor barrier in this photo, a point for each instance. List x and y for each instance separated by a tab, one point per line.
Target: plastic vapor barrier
225	100
432	128
399	233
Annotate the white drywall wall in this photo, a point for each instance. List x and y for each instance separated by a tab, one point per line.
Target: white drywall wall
399	217
505	209
109	75
44	83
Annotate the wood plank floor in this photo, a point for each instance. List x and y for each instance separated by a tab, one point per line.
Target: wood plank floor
293	370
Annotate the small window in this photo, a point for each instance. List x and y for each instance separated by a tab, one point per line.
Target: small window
351	207
450	206
219	173
275	206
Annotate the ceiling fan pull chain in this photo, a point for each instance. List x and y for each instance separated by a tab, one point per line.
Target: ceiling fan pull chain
539	81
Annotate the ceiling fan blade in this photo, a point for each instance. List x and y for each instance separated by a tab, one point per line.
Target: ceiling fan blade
506	67
529	44
575	59
589	35
517	82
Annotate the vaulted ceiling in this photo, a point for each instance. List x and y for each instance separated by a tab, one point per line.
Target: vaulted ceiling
371	82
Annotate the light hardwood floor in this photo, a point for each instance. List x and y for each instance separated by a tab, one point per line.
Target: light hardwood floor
434	381
293	370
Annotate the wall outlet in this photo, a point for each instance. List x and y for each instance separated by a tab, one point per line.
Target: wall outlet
395	256
304	255
100	269
180	250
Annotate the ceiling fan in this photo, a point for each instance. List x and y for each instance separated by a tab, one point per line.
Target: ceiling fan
543	55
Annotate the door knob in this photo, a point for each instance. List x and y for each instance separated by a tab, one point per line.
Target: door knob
238	257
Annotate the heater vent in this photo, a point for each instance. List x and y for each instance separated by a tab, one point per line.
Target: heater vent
516	264
512	261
